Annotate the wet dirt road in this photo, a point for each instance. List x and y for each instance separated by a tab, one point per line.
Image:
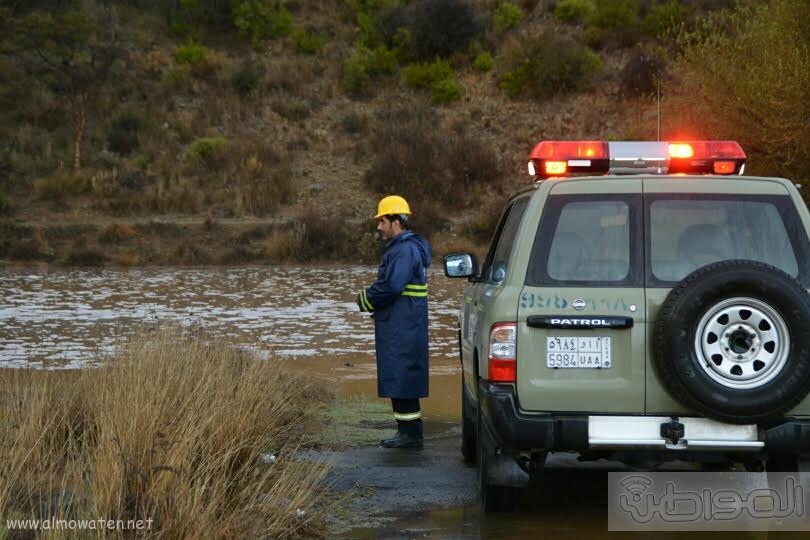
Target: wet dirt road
400	495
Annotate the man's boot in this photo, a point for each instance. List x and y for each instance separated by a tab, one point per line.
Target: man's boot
402	440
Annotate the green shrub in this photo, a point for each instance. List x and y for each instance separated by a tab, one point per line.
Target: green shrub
371	16
447	90
615	14
123	135
353	123
315	236
574	11
594	37
439	28
391	25
260	20
484	62
61	186
24	243
744	75
6	167
355	78
246	80
293	108
187	20
5	204
427	162
263	196
547	64
191	53
425	75
436	76
178	78
307	42
322	240
642	75
618	18
208	150
365	65
506	16
5	242
85	257
663	19
116	233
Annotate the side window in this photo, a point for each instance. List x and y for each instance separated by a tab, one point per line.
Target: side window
498	257
587	241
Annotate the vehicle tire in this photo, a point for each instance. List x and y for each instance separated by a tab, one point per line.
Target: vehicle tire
469	416
492	498
732	342
782	462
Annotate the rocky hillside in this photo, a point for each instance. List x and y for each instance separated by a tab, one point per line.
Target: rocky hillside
230	131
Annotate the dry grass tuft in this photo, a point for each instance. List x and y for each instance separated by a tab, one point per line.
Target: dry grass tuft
117	232
174	430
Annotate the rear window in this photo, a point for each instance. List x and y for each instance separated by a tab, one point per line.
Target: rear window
687	233
589	242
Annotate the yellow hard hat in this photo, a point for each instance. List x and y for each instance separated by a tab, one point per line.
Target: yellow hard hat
393	204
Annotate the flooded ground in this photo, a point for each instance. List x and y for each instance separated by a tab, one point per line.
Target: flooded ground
306	317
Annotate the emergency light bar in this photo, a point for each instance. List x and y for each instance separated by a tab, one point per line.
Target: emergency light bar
551	159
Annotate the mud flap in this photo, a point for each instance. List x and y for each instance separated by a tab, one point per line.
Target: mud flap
504	471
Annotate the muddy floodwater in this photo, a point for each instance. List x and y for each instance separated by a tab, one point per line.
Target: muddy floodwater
306	317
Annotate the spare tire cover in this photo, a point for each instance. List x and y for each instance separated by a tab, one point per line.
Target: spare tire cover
732	342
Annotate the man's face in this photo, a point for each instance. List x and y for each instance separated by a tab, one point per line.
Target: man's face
387	229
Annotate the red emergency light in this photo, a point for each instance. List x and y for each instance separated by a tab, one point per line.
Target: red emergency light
559	158
706	157
550	159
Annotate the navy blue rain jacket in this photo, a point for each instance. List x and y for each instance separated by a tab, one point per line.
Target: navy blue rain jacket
398	302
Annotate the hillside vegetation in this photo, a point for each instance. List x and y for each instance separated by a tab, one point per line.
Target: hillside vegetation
229	131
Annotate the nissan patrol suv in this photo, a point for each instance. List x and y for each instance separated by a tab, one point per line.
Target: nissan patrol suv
640	300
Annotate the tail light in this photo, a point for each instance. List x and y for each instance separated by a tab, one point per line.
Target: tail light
502	352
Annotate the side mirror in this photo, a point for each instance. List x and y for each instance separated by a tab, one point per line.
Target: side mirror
498	271
458	265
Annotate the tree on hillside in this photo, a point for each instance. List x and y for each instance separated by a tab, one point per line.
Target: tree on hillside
70	52
745	76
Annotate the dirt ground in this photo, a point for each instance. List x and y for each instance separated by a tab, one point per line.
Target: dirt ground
383	485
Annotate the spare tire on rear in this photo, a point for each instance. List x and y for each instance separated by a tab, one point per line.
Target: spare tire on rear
732	342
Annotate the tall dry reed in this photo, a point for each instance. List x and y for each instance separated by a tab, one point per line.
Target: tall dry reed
176	429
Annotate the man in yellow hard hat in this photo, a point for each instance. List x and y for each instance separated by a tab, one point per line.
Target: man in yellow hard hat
397	301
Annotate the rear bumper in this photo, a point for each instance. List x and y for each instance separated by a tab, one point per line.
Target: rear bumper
517	431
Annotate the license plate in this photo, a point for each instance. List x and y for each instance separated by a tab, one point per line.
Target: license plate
578	352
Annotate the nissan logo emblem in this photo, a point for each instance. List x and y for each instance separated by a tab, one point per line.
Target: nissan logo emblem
578	304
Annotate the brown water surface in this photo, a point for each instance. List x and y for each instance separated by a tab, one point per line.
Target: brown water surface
305	316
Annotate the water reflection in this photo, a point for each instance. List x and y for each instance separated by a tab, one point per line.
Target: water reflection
570	505
62	319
